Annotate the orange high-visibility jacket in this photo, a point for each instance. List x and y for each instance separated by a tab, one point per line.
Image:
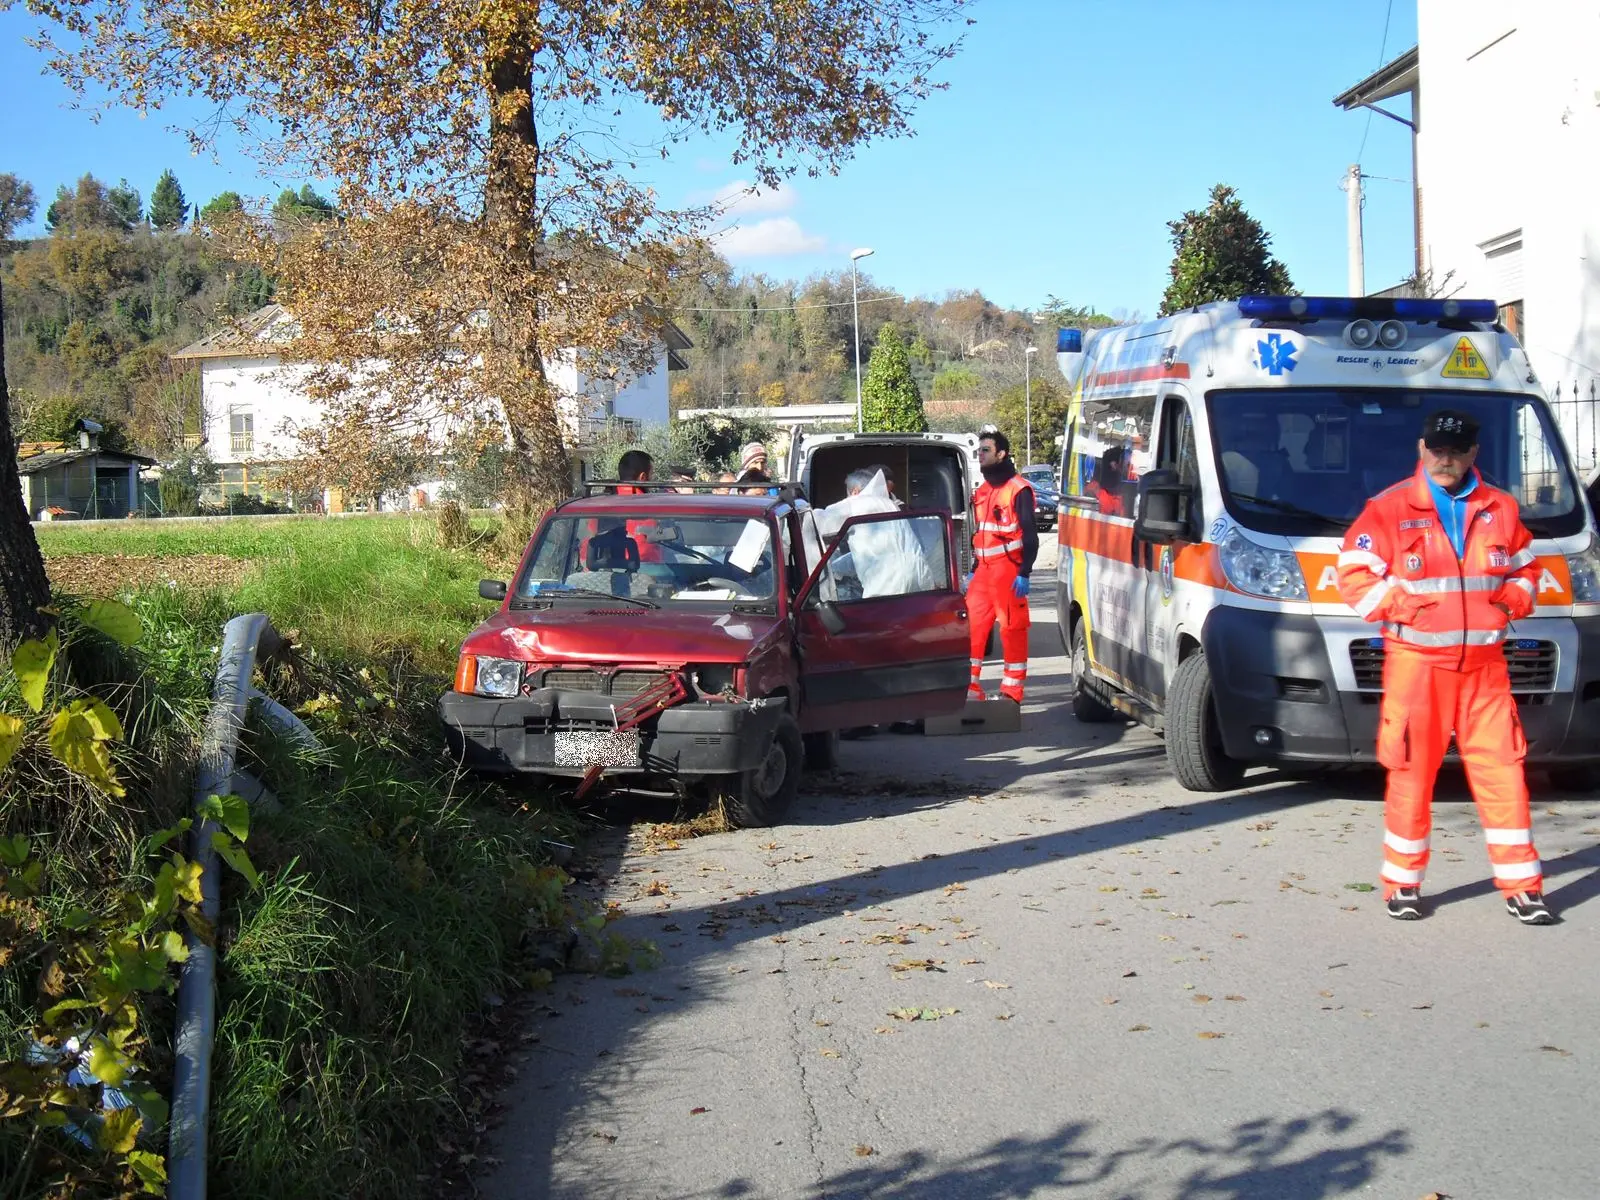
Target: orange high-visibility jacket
1399	567
999	529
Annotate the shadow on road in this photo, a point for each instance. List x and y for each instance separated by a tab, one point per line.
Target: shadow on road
1262	1159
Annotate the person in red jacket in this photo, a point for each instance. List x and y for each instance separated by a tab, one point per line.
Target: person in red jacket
1004	544
1443	561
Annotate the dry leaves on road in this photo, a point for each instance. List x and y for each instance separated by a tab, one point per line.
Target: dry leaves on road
1210	1033
922	1014
918	964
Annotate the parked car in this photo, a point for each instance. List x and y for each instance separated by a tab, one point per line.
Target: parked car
708	641
1047	496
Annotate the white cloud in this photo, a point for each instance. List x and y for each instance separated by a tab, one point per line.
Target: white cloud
774	236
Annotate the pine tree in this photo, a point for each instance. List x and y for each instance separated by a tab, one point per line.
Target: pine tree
222	204
890	399
1221	254
168	205
127	206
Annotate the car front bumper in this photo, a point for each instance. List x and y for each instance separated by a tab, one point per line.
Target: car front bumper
1273	677
552	732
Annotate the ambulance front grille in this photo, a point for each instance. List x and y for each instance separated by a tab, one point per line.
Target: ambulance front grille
1532	664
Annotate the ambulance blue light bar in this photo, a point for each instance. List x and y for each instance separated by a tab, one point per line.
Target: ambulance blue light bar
1376	308
1069	341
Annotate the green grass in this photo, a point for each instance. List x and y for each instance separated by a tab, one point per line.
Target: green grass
395	892
369	586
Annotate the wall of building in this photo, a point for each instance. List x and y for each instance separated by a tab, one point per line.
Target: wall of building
1510	141
267	390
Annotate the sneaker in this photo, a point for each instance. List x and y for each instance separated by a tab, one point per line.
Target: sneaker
1529	908
1406	904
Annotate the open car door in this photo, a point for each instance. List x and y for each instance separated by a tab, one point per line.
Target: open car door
882	625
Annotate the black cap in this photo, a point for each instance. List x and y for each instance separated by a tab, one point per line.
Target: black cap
1448	429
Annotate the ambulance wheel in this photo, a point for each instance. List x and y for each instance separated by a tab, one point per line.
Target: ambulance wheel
1194	740
760	796
822	750
1086	706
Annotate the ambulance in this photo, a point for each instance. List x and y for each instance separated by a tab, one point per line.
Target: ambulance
1212	462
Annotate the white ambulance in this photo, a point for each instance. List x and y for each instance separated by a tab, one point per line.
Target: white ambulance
1214	459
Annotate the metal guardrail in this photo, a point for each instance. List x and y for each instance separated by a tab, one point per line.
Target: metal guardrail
231	698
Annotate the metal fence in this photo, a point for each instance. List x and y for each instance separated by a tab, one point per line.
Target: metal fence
1576	406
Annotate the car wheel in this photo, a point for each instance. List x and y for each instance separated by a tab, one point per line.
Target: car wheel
1194	738
760	795
822	750
1086	706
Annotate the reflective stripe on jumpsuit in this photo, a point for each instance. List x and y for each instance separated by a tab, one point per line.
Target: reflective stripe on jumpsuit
997	549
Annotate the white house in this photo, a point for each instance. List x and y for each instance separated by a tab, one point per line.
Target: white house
1506	146
250	401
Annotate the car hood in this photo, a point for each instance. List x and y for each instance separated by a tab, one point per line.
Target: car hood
572	633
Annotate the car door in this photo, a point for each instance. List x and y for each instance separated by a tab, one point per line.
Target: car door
1156	659
881	626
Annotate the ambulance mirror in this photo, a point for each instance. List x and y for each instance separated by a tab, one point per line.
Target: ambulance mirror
1163	508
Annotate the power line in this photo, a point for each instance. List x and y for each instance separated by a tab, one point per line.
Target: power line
1383	50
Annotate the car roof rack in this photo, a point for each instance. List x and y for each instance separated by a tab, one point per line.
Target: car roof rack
788	491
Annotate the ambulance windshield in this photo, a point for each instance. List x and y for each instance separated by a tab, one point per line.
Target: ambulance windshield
1303	461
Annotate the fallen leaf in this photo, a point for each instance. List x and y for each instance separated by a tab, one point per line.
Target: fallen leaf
864	1151
828	1052
1557	1050
1109	887
1360	887
1419	1007
950	888
917	964
1235	999
1200	998
1108	1000
922	1014
880	939
885	1029
695	1112
1325	994
824	1024
971	962
1210	1033
658	887
1002	1016
604	1135
1436	1196
1129	974
1139	1028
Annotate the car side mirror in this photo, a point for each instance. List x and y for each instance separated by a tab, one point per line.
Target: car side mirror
492	589
830	616
1162	512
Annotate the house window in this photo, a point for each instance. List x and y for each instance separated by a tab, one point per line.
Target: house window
241	432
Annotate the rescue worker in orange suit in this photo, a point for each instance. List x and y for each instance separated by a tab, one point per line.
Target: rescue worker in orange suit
1443	561
1005	543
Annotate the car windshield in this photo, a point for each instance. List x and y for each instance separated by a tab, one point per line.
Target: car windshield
1305	460
655	557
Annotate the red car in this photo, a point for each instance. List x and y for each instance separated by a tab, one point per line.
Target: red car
706	639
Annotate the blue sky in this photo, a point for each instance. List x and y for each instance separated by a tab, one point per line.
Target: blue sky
1070	133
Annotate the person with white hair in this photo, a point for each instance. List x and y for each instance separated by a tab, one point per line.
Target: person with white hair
886	557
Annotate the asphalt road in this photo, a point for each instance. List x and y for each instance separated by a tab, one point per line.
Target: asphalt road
1122	990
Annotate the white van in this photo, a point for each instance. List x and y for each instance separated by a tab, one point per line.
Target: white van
1213	461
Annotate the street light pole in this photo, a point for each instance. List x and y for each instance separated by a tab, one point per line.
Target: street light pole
855	308
1027	396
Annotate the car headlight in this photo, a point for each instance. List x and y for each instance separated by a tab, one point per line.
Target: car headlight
498	676
1261	571
1584	567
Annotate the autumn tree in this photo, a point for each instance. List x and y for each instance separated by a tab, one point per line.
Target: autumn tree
1221	253
890	399
491	214
168	206
17	204
24	588
86	206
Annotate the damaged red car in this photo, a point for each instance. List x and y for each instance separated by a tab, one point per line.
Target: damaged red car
704	641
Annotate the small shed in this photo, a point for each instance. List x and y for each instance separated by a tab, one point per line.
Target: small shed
86	482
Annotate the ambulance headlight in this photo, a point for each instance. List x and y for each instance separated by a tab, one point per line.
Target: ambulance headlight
1259	570
1584	567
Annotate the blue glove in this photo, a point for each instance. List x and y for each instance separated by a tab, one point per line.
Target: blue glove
966	582
1019	586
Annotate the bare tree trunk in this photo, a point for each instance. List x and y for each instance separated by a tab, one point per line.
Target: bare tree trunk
24	588
510	213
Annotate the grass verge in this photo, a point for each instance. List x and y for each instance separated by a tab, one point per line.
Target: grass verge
396	896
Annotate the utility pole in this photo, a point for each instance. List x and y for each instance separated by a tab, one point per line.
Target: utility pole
1358	270
1027	397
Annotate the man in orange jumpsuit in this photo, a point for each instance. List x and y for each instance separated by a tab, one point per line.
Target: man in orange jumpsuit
1443	560
1004	544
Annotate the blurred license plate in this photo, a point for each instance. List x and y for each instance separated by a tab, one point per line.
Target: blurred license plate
600	747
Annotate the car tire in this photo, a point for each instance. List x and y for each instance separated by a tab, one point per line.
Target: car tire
1194	740
760	796
1584	779
822	750
1086	706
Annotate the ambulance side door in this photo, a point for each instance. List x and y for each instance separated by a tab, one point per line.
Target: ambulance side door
1175	451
